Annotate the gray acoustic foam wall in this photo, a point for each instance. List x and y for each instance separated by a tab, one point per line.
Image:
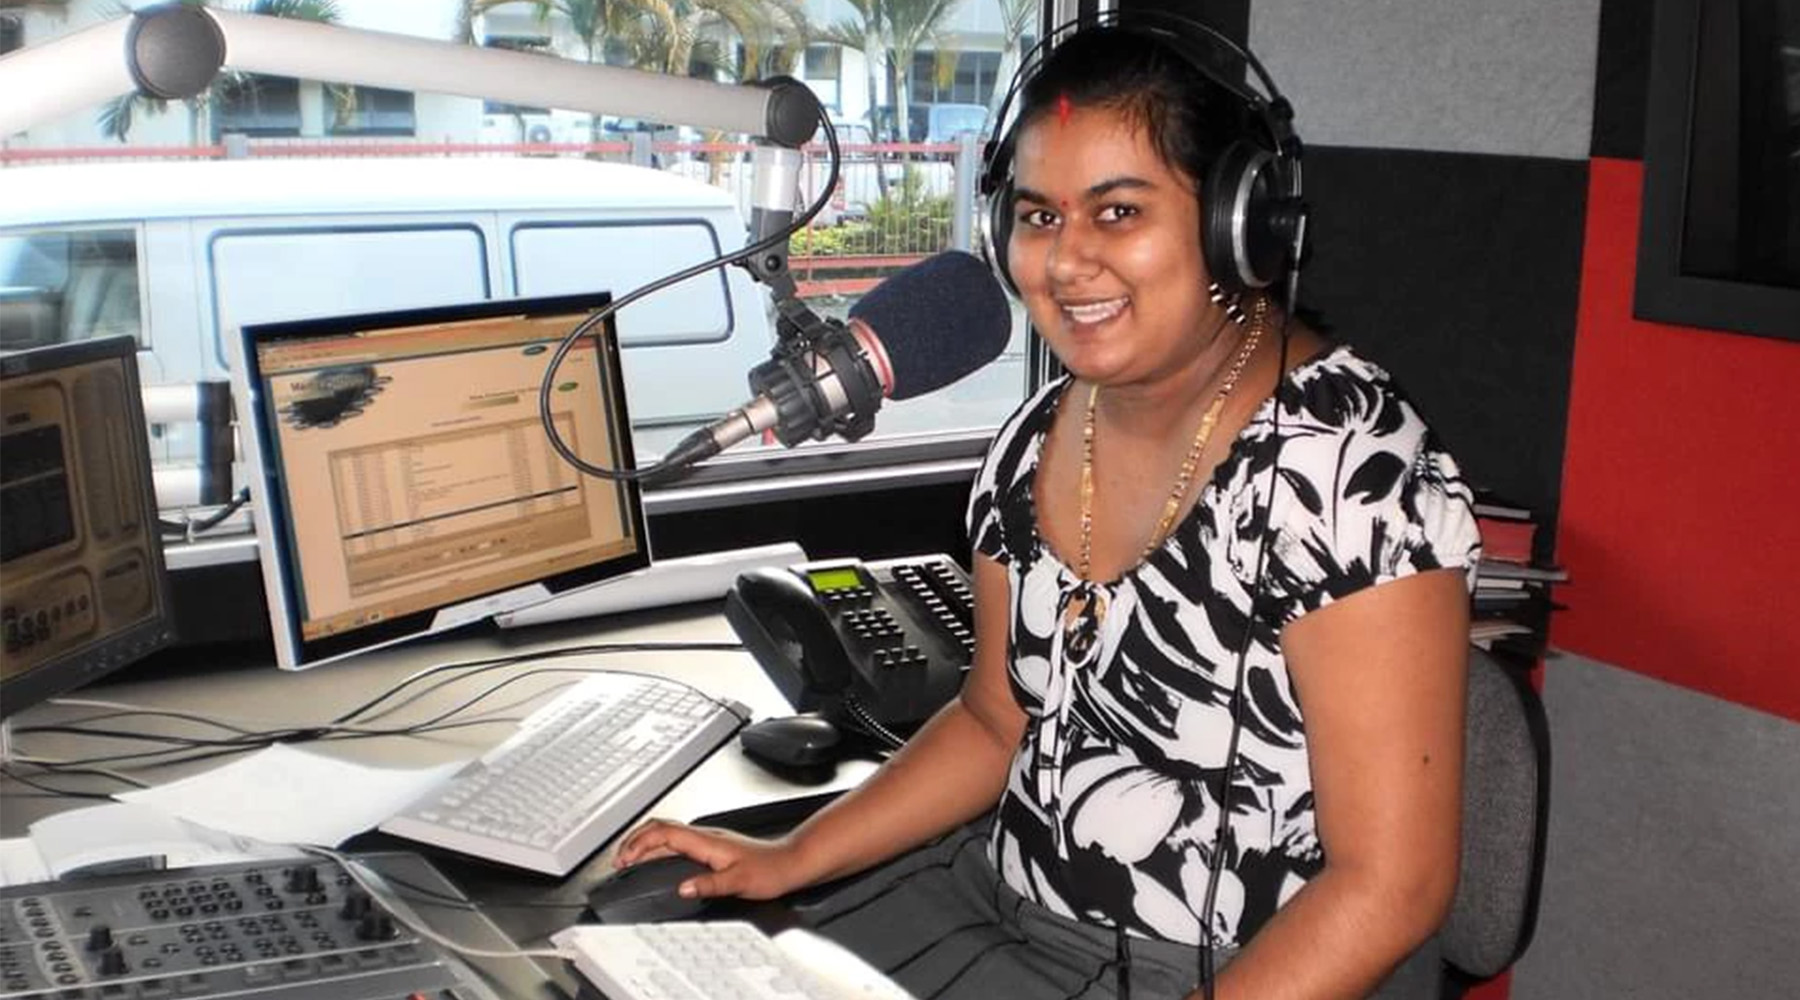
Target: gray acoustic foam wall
1673	866
1466	76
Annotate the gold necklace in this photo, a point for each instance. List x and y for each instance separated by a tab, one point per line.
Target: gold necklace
1185	477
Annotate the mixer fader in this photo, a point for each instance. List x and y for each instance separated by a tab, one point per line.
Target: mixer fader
292	930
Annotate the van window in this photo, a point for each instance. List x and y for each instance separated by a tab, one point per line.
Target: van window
619	257
60	286
261	277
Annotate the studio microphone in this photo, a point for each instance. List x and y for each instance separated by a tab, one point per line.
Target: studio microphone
917	332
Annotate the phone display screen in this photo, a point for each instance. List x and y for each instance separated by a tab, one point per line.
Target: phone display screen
824	581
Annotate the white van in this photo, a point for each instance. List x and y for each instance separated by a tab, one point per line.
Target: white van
179	253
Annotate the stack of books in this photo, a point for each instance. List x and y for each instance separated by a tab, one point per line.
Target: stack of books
1513	584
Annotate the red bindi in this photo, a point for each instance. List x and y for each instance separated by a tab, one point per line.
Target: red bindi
1064	108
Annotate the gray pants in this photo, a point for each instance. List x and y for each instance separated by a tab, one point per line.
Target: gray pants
942	923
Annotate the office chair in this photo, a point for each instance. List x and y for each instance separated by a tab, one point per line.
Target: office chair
1505	813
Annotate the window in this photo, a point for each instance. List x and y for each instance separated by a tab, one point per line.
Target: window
690	347
822	71
1720	242
369	111
61	286
972	83
257	105
823	63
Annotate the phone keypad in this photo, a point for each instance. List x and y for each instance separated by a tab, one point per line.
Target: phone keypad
940	590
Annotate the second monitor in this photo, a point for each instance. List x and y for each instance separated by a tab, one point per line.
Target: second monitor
403	483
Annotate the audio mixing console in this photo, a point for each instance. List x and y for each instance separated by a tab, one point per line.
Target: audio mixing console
288	930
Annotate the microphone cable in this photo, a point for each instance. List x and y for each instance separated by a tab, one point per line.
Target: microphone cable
546	387
1216	865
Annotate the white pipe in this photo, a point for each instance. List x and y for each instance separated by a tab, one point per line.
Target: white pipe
311	51
176	486
776	170
172	403
78	71
91	66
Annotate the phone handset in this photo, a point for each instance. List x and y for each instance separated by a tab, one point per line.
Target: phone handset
875	647
795	630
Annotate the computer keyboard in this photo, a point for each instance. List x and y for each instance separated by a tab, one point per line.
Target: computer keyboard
573	774
725	960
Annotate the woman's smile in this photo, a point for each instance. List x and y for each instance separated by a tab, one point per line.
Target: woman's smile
1094	313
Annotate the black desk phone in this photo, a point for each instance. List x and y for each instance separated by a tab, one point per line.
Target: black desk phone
878	645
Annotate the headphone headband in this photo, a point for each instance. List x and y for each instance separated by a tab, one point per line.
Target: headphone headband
1253	214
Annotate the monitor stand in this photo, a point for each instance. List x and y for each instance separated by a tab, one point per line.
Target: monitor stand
664	582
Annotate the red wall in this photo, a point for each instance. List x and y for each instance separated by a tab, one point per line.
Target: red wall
1678	515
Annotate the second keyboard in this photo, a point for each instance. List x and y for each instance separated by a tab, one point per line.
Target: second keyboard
573	774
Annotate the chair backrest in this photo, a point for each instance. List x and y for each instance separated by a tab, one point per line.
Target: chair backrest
1505	813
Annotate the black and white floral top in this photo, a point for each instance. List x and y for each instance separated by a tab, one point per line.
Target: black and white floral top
1110	811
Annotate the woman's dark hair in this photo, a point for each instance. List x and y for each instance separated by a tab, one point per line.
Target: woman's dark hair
1145	75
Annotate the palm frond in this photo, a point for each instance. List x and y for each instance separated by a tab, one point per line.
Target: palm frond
116	116
321	11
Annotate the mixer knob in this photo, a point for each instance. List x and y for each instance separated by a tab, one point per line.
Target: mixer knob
304	879
100	938
356	905
112	962
375	926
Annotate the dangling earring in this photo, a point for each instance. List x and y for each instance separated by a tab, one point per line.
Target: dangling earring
1232	303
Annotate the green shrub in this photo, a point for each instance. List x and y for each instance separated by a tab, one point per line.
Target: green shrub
906	220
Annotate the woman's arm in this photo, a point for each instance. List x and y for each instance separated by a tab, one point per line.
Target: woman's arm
1380	676
951	771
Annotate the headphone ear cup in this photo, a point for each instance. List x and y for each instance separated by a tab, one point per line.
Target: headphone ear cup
999	233
1237	237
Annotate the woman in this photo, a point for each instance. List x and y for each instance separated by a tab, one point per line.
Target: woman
1118	528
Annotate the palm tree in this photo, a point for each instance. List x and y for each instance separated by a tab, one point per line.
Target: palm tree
668	36
762	26
889	33
1016	18
592	22
866	32
116	117
910	25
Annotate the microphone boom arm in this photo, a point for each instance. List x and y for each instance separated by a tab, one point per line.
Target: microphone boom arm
174	52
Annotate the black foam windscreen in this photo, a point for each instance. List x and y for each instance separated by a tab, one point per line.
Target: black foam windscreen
938	320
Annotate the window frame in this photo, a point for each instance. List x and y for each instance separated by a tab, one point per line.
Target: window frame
251	83
140	267
334	123
12	32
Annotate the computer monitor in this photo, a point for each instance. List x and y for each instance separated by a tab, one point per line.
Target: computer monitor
402	482
83	590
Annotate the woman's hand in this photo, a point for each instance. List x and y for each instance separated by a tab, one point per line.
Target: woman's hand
746	867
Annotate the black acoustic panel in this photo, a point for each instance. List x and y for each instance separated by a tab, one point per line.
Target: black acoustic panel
1459	273
1620	78
874	524
1231	17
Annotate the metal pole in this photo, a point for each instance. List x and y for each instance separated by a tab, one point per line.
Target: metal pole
962	219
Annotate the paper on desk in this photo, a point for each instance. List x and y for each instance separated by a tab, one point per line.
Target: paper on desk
120	837
287	796
20	862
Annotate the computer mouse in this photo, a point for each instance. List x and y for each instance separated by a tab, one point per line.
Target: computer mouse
792	741
645	892
798	749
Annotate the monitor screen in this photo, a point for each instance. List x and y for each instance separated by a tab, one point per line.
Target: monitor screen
83	590
403	483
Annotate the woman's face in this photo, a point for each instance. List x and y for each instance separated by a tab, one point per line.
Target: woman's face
1105	248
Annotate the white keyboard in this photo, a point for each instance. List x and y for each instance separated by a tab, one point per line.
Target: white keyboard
573	774
725	960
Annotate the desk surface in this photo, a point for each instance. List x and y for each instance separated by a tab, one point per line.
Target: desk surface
257	695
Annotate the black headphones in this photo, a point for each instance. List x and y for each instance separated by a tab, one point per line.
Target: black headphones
1252	221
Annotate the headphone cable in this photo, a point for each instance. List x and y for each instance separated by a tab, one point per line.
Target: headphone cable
546	387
